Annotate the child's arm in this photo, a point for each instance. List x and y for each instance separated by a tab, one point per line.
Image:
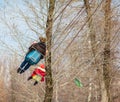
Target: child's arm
34	73
32	45
46	52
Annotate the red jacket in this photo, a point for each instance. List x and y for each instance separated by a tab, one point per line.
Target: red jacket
39	71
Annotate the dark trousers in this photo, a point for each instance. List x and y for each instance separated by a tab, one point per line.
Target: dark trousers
25	65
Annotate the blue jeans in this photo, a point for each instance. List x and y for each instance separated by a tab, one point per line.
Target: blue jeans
25	65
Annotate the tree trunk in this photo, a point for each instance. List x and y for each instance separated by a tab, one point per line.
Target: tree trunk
49	81
106	53
103	90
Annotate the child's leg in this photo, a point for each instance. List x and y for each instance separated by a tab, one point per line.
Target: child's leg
37	78
29	78
27	65
23	63
22	66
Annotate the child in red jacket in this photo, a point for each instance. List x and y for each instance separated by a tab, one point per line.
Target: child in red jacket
38	74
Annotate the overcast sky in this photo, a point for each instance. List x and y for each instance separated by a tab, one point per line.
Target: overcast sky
9	12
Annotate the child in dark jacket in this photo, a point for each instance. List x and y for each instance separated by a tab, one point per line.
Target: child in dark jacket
36	52
38	74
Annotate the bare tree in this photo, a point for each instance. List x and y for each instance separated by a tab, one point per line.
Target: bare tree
49	80
75	52
106	52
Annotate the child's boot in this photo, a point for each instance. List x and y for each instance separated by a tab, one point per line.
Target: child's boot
29	78
35	83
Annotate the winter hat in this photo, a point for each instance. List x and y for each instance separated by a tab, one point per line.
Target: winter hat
42	39
42	65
